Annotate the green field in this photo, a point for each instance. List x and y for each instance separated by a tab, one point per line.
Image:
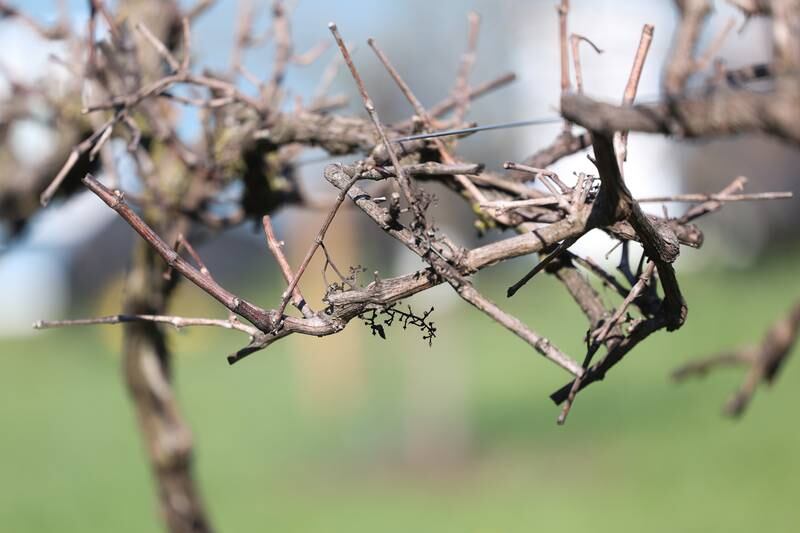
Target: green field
395	436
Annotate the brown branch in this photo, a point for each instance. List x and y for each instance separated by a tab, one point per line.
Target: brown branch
561	248
597	372
682	64
74	156
607	279
461	89
431	168
57	31
713	205
419	109
758	71
601	335
614	202
634	293
513	188
638	64
283	53
177	322
506	205
764	360
326	325
405	184
715	46
449	103
159	47
575	42
339	177
513	324
565	144
584	294
311	55
545	176
563	36
621	139
702	366
526	243
785	38
159	86
200	7
275	247
753	8
256	315
723	113
720	198
182	243
287	294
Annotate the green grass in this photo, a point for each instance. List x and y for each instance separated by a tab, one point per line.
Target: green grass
393	436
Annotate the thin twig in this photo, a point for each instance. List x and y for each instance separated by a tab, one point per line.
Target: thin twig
621	139
275	247
177	322
449	103
57	31
287	294
513	324
512	290
575	41
186	33
720	197
198	9
181	243
311	55
419	109
74	155
709	207
257	316
542	173
636	290
507	205
405	183
283	53
158	46
716	45
607	279
764	360
461	89
563	36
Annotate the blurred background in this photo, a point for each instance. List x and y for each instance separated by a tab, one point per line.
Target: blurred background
354	433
